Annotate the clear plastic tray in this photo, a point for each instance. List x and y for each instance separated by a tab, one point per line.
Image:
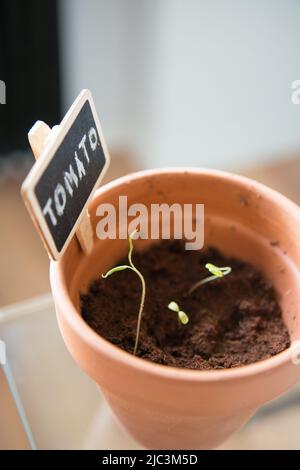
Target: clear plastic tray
47	402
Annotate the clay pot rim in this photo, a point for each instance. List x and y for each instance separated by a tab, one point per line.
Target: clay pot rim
124	358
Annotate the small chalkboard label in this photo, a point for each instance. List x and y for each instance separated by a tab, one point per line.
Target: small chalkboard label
64	178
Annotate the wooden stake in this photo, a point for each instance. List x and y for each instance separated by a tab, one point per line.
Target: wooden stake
39	136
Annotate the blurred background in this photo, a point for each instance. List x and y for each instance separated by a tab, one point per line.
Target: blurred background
176	83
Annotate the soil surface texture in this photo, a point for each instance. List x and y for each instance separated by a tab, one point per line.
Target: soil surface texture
233	321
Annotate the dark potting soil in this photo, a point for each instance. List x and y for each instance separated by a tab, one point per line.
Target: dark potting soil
233	321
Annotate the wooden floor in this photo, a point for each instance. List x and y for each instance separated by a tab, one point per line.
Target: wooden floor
24	262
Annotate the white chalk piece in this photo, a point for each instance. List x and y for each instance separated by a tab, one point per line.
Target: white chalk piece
71	160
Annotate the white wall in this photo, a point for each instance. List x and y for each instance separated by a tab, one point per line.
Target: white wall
187	82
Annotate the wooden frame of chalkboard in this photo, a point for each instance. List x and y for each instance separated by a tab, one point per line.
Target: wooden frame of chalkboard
63	180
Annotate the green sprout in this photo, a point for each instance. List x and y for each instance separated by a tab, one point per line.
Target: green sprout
182	316
216	273
143	294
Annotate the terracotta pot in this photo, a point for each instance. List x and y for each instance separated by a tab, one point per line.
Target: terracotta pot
171	408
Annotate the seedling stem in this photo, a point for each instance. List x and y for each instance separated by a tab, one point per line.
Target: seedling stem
143	293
